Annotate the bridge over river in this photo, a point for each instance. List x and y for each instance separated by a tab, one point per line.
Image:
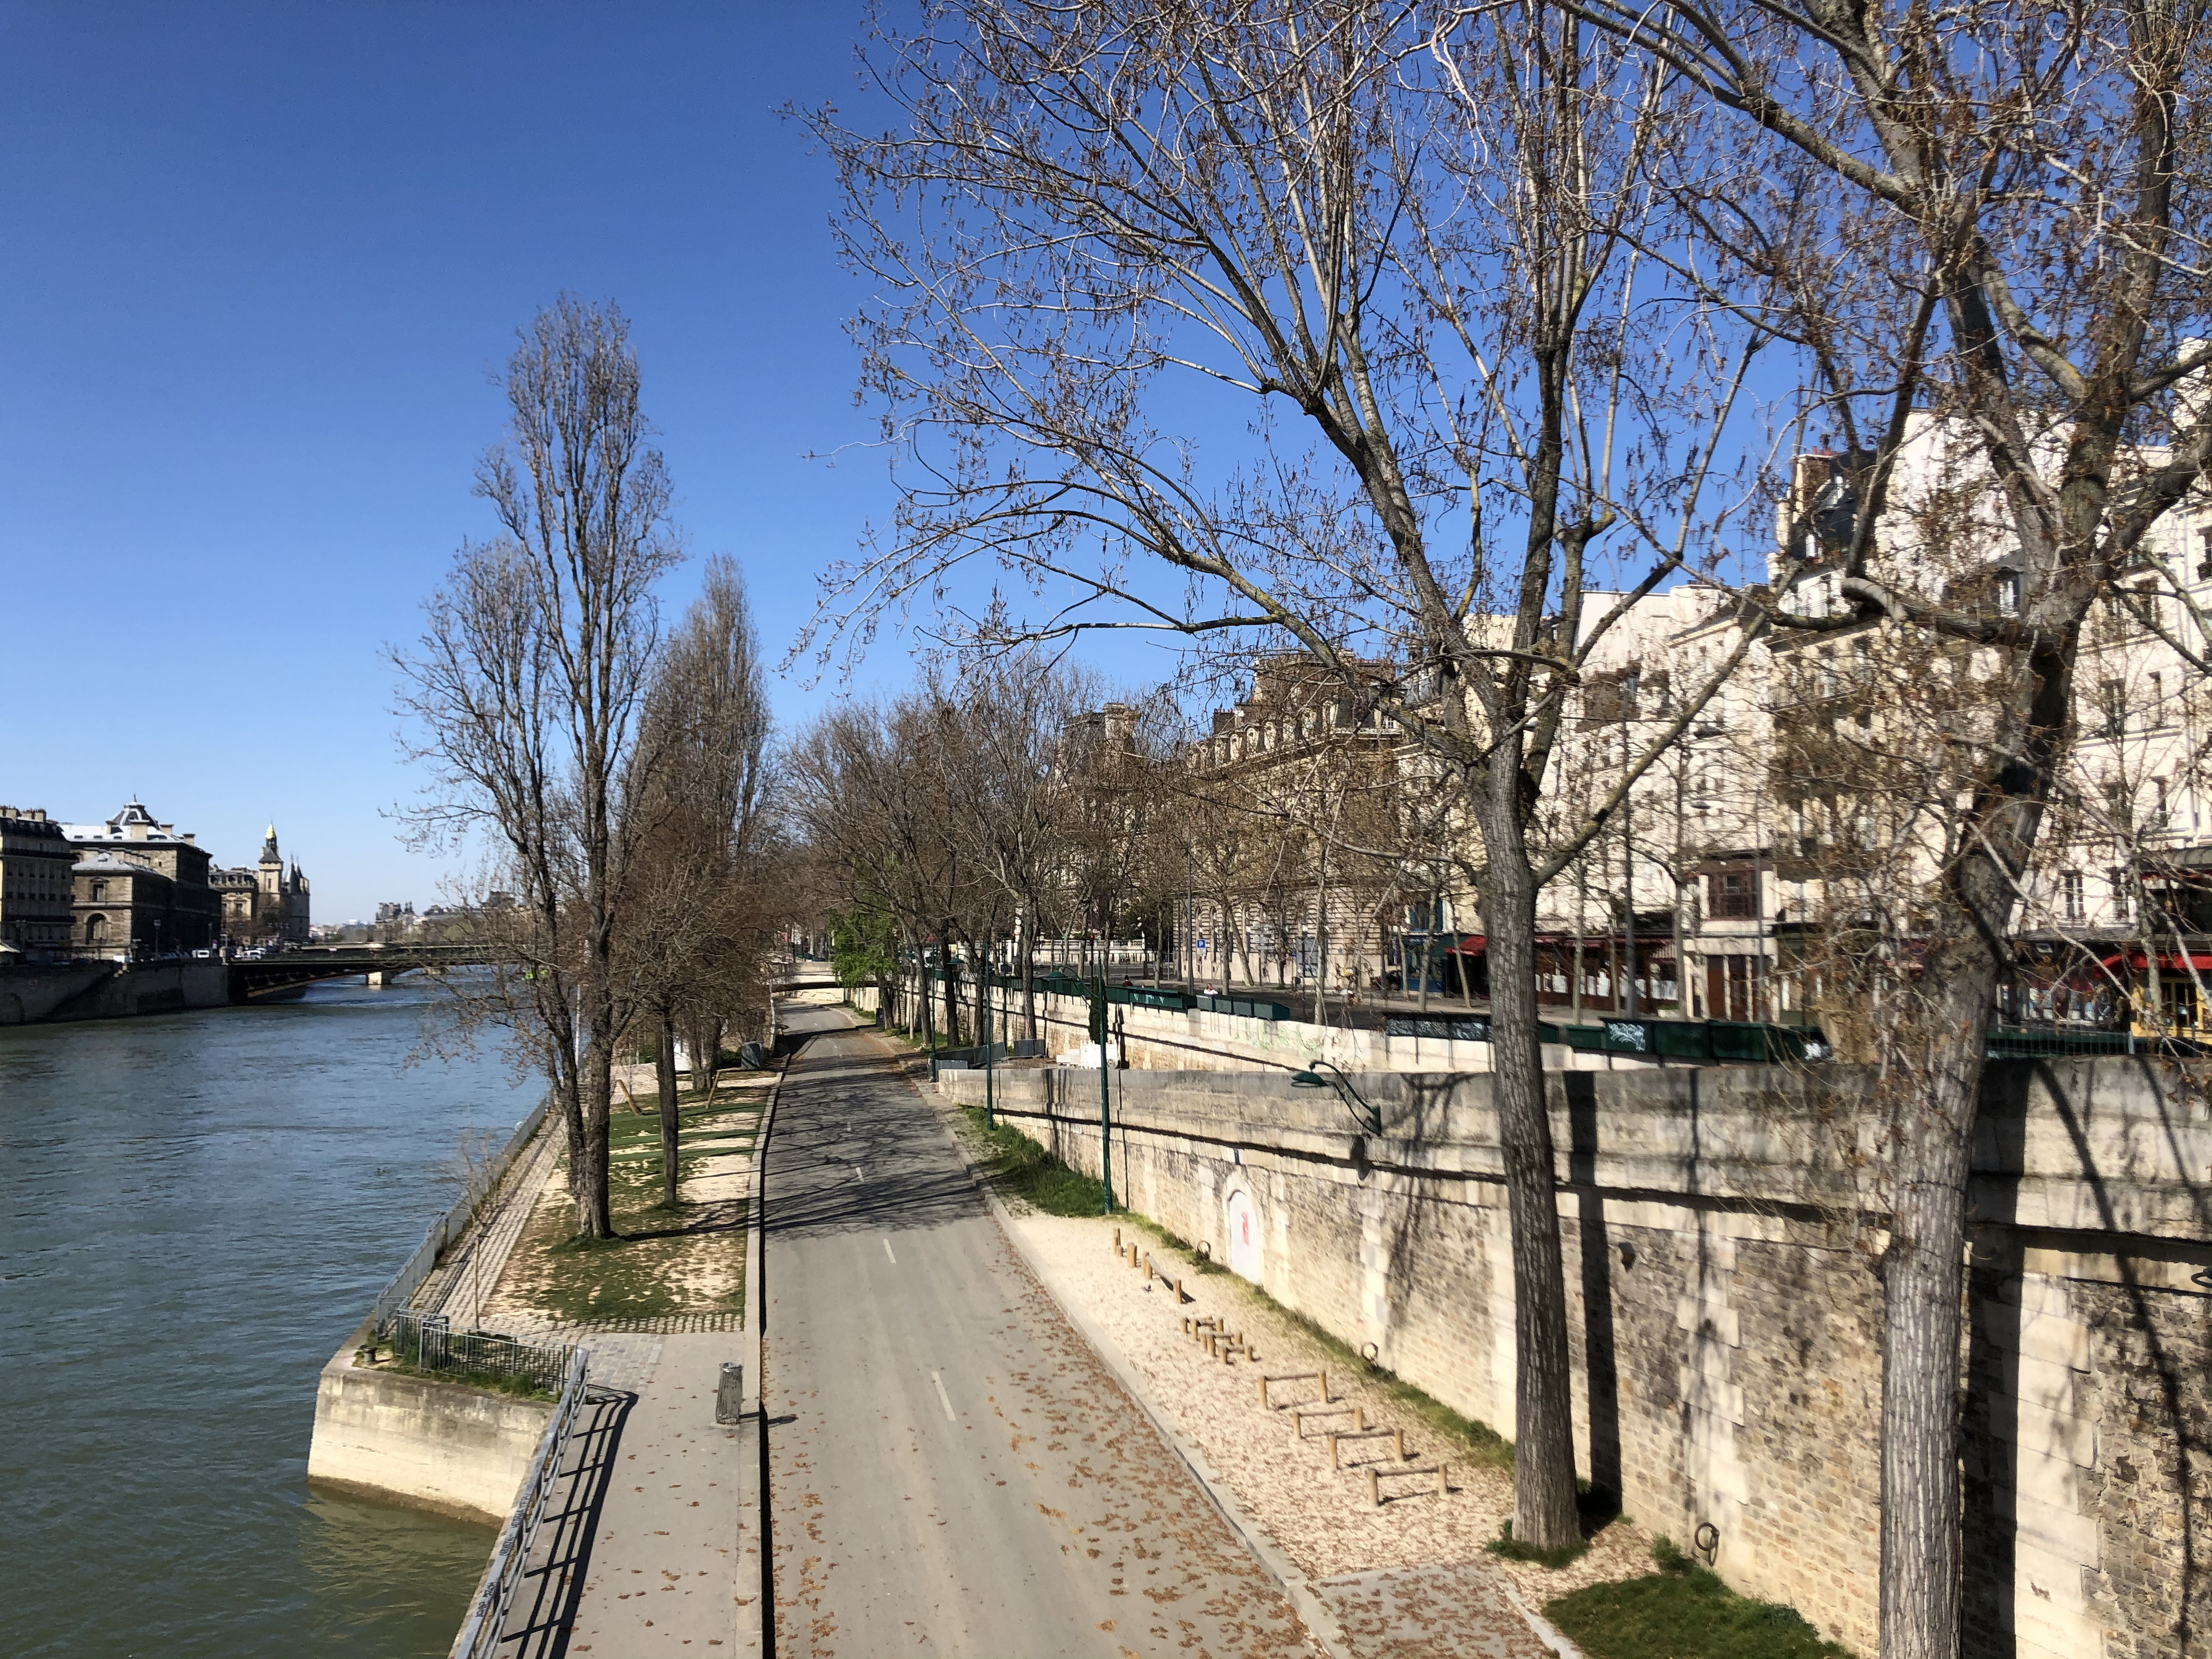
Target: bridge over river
261	979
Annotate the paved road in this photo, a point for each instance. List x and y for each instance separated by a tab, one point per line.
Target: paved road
953	1471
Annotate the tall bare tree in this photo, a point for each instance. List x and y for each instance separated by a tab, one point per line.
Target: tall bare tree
696	917
1987	216
522	693
1399	254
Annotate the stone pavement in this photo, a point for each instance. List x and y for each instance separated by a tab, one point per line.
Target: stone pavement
661	1572
461	1286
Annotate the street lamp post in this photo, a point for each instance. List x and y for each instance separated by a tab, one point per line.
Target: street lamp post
990	1120
928	1013
1105	1098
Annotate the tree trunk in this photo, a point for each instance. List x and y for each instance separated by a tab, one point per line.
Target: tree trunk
1029	975
945	960
1544	1513
704	1039
1923	1280
588	1159
664	1067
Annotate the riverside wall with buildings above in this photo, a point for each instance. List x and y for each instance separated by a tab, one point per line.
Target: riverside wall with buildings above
130	888
1720	1230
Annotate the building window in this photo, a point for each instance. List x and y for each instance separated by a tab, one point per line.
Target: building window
2069	895
2113	704
99	894
96	929
1734	895
2123	901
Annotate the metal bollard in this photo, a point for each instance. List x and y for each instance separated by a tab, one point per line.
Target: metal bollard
730	1396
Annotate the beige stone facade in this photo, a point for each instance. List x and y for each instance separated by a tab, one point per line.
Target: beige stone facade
268	901
140	888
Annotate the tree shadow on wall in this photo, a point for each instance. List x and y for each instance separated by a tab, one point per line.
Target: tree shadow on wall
2157	1362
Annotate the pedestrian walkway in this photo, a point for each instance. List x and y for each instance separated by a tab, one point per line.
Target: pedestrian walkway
659	1552
462	1284
953	1469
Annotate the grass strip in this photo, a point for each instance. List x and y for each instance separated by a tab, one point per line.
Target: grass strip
485	1381
648	1269
1684	1612
1033	1175
1505	1545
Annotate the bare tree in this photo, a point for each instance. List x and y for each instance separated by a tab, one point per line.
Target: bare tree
1406	250
695	921
523	691
1984	217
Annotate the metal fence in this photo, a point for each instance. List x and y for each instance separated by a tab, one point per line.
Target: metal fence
428	1342
486	1625
445	1229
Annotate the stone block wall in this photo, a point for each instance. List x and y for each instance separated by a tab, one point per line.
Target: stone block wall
1720	1229
1161	1039
430	1444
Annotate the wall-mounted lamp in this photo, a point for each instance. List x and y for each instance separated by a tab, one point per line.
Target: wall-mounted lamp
1355	1103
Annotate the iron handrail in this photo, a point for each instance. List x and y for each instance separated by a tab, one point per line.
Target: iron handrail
486	1625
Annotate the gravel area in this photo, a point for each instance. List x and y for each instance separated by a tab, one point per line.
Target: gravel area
1320	1518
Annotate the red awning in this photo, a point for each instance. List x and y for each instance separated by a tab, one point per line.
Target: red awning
2201	961
1470	945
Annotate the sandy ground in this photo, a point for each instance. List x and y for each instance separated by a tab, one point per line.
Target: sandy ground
1321	1519
695	1268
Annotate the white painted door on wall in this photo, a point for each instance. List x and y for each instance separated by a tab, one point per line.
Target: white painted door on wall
1244	1252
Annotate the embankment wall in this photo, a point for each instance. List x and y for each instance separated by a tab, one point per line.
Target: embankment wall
108	990
1721	1229
1162	1039
433	1445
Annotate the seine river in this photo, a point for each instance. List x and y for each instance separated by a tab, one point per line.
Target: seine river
195	1210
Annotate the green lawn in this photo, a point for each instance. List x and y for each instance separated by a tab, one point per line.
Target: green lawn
1031	1173
1684	1612
661	1262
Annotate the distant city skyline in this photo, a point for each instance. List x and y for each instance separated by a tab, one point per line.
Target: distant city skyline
260	263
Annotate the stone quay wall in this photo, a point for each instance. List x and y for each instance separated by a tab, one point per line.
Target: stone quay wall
110	990
1721	1229
416	1441
1198	1040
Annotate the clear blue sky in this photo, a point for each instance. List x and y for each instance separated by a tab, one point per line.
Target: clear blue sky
255	263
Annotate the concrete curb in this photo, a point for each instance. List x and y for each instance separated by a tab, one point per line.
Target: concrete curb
1321	1627
1547	1633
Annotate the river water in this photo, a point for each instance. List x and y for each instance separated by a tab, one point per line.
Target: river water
195	1212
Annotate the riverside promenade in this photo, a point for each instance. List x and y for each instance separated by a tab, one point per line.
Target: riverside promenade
652	1543
953	1469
